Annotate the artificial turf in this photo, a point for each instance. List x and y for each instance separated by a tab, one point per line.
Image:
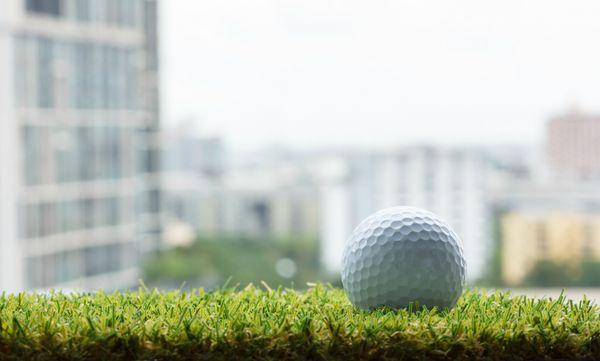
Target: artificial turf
264	324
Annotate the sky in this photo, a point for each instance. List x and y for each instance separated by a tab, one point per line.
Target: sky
375	73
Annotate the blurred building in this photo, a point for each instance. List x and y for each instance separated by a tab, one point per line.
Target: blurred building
270	202
451	182
545	222
560	236
269	197
78	142
573	146
183	151
193	171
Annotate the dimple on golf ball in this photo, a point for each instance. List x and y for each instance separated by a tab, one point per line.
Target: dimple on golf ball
401	256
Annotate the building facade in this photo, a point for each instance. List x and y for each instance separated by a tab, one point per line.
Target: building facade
269	198
261	204
564	237
573	146
80	188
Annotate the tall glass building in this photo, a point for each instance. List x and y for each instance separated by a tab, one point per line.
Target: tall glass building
79	182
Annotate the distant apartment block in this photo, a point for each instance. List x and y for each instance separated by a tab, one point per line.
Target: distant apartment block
530	236
451	182
79	187
192	170
573	146
265	203
268	198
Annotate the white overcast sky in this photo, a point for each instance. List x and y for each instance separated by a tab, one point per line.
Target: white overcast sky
376	72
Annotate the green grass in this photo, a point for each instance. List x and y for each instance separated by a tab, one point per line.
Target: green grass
319	323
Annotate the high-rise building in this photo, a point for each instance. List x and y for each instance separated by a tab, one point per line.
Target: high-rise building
573	146
79	185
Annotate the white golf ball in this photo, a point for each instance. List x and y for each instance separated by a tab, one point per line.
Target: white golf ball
401	256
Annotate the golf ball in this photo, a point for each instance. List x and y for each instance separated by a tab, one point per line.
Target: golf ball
401	256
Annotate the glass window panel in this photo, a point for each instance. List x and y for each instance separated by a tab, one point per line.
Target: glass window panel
62	267
113	257
34	272
74	211
112	211
97	142
114	152
49	7
45	75
88	213
31	147
95	260
83	75
61	217
83	10
153	201
47	219
131	85
87	151
31	221
49	270
75	266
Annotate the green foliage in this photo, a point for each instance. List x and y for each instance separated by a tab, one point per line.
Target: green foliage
548	274
590	274
209	262
255	324
552	274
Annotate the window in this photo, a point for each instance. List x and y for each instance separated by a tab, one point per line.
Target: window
65	155
95	260
50	7
154	201
82	10
74	215
87	153
112	11
128	12
114	209
31	221
114	152
34	272
131	82
47	219
89	210
83	70
31	145
129	255
45	73
62	267
103	259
